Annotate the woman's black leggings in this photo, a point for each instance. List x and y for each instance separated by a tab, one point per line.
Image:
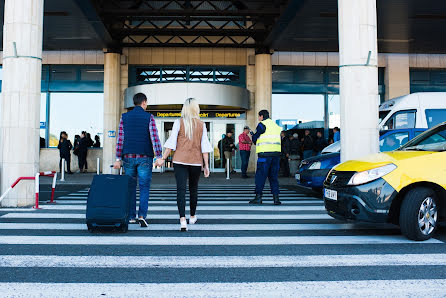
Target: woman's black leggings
182	172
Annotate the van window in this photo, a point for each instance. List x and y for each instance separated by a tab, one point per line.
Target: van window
393	141
434	117
401	120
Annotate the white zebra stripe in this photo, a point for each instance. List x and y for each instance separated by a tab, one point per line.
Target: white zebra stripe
207	208
175	216
53	261
202	227
218	241
361	288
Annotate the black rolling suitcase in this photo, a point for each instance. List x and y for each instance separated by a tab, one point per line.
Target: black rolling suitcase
108	203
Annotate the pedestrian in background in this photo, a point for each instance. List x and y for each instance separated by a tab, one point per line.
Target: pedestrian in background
191	145
320	143
65	147
295	153
90	142
97	143
268	149
285	154
245	143
82	150
228	149
138	143
336	134
308	145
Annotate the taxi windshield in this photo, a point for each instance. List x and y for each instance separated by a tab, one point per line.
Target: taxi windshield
431	140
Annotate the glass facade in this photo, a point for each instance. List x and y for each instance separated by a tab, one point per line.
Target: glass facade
71	100
310	96
228	75
427	80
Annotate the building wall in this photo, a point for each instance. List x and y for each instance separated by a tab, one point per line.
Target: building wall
49	159
396	75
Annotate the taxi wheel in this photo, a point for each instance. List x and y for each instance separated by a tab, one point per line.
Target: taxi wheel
419	214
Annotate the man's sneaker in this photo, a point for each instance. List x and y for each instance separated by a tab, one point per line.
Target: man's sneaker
142	222
132	221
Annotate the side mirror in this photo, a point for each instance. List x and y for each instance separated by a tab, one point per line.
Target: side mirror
385	127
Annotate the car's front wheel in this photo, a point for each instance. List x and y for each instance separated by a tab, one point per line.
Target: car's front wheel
419	214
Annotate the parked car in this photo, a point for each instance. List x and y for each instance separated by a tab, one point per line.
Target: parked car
405	187
313	171
416	110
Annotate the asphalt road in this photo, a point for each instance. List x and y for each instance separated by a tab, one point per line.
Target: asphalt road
234	250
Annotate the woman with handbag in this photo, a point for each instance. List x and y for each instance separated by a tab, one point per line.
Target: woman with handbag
191	145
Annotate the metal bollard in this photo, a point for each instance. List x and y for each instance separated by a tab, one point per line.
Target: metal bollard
98	163
228	169
62	174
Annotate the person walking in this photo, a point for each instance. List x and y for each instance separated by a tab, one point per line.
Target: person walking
245	143
82	150
268	149
65	147
228	148
308	145
138	143
191	145
320	143
285	154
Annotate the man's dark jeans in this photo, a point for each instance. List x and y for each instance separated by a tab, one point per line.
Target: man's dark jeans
244	155
267	167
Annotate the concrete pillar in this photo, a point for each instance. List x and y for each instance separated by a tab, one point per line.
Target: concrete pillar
251	117
20	102
264	83
358	55
112	107
397	75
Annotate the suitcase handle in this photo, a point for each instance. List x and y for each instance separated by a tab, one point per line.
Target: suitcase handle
111	170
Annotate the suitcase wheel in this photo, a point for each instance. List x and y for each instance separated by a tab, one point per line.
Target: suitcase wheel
90	228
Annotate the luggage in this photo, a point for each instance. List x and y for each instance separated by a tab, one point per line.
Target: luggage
109	200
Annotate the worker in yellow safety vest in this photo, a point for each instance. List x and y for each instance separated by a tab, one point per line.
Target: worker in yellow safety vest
268	149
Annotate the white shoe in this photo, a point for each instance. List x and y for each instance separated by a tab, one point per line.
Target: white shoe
183	225
193	220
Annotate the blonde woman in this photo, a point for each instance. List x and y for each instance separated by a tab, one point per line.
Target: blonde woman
191	145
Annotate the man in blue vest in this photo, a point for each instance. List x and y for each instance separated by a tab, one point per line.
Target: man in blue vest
268	148
138	143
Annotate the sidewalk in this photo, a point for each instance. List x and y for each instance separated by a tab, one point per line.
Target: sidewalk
167	178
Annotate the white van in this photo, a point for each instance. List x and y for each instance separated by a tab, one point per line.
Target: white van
417	110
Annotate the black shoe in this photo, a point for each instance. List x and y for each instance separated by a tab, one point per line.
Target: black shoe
143	223
70	173
257	200
276	200
245	176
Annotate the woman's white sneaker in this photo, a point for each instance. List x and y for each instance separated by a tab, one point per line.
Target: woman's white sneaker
193	220
183	224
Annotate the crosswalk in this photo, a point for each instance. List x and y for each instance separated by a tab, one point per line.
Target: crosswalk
235	249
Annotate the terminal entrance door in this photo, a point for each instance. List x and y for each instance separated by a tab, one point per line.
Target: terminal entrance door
216	130
165	130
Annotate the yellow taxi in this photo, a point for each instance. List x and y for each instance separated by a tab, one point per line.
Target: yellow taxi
405	187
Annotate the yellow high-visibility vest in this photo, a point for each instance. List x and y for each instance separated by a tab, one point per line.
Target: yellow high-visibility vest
269	141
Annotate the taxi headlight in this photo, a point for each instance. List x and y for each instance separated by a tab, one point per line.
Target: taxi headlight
315	166
370	175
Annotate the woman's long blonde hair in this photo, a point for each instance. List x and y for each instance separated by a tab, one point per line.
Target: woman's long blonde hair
190	111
